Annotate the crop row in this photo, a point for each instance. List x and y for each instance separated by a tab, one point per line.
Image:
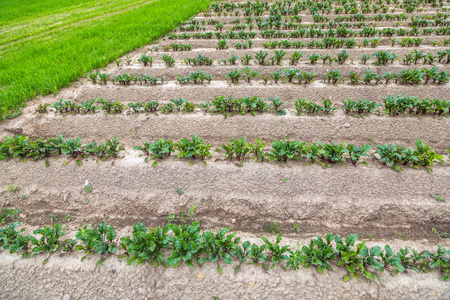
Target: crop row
294	22
392	155
228	105
406	76
21	147
309	33
349	43
182	241
333	42
327	42
318	8
382	57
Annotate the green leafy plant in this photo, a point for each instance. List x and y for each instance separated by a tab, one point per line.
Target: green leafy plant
99	240
250	74
234	76
333	152
277	253
145	244
277	106
146	60
356	153
286	150
438	198
193	149
238	148
168	60
6	215
273	228
49	239
14	241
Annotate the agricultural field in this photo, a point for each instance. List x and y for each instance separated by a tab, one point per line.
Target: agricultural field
259	150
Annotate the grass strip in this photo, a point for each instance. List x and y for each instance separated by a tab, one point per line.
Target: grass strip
45	66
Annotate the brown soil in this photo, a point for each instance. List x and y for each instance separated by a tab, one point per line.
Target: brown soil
371	200
374	201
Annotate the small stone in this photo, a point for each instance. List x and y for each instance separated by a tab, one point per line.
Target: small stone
66	297
347	125
113	271
86	183
65	197
233	221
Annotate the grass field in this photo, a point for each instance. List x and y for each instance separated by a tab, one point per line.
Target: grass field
45	46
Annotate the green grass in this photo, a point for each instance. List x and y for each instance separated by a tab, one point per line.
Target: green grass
46	47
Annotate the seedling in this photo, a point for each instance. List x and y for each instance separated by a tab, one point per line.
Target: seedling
273	228
7	215
12	189
297	228
145	59
88	188
53	218
179	192
168	60
437	198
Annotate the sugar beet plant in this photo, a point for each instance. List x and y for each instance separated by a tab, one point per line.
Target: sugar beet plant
23	148
188	149
393	155
285	150
182	241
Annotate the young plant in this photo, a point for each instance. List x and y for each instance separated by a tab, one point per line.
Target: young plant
278	253
145	245
168	60
250	74
146	60
238	148
333	152
97	240
277	106
193	149
286	150
234	76
157	150
295	57
261	57
49	241
313	58
356	153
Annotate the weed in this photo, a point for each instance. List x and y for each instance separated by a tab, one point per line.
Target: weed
12	189
437	198
88	188
273	228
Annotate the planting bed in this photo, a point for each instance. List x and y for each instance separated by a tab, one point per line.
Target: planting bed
379	203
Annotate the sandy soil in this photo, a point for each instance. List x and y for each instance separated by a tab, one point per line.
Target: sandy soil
375	202
343	199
